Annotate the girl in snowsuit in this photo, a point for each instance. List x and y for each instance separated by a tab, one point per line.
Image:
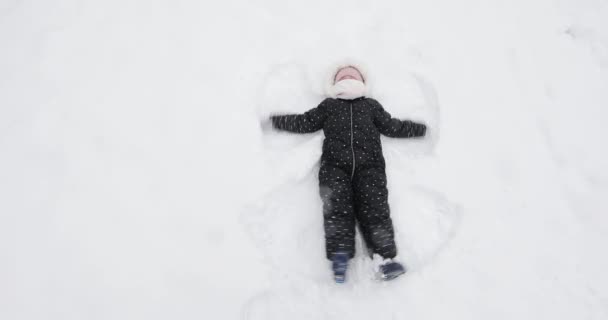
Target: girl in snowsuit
352	175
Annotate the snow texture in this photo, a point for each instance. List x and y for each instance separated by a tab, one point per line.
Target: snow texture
136	181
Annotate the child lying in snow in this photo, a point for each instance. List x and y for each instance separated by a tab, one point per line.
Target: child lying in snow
352	176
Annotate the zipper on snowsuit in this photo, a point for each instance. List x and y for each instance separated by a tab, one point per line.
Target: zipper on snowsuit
352	140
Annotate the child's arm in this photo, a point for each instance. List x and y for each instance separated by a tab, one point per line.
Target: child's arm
395	128
310	121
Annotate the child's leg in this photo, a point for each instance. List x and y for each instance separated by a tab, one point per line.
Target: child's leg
373	214
338	211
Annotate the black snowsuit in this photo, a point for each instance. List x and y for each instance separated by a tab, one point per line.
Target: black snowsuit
352	176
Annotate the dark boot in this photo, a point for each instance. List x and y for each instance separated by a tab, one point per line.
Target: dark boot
339	264
391	270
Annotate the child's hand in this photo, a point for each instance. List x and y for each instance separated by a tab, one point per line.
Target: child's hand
266	125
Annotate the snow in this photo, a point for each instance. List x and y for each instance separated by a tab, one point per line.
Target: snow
136	182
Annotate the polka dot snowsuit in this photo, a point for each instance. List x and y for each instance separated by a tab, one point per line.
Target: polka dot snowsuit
352	178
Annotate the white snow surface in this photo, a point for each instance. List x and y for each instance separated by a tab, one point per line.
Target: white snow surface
137	183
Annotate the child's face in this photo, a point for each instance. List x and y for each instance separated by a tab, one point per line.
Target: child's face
348	73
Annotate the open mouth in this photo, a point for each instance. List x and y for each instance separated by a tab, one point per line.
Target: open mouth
347	77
